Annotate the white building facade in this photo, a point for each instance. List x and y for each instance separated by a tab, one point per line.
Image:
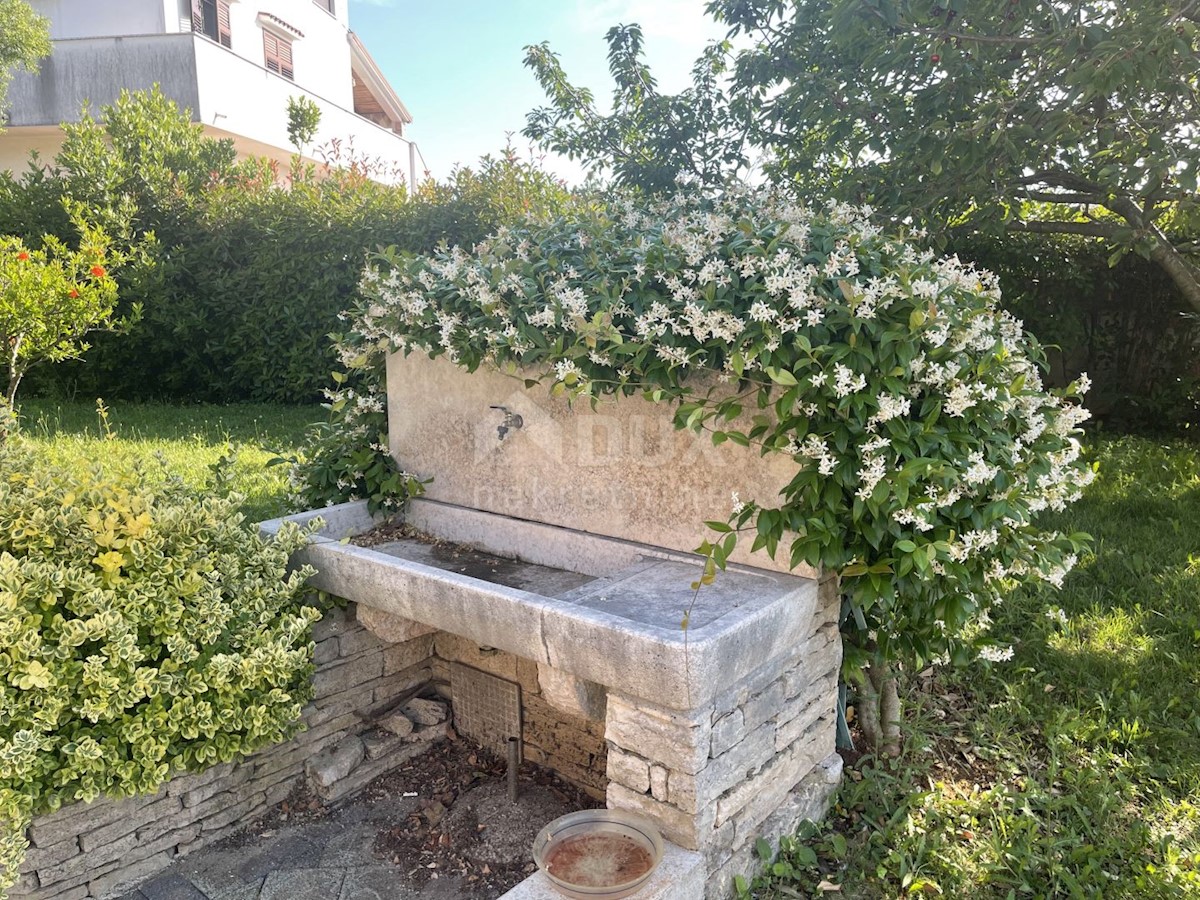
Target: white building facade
233	63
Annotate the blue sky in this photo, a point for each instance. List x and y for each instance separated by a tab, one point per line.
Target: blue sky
457	64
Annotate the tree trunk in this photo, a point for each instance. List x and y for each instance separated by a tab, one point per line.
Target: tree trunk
879	709
14	380
1185	275
1183	272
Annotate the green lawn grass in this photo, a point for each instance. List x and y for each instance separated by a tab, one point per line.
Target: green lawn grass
1071	771
191	440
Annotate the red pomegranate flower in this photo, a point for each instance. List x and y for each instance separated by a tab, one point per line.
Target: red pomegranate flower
73	293
98	271
22	256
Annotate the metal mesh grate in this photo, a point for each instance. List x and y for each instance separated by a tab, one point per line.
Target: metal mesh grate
487	709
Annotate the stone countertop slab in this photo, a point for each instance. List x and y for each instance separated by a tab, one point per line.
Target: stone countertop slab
622	627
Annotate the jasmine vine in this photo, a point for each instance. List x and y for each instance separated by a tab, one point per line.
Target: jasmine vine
912	405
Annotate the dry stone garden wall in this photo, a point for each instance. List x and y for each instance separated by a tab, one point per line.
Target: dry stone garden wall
96	849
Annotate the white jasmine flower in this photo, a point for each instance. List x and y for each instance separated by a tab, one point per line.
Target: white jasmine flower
996	654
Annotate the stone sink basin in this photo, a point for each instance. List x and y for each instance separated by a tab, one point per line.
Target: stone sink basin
606	610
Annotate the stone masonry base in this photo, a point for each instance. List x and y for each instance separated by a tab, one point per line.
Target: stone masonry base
750	763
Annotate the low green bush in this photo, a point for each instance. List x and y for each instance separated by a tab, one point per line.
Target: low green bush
144	630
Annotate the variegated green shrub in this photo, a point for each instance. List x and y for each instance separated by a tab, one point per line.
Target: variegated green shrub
144	630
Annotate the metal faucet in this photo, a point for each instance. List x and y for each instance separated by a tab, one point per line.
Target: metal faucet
511	421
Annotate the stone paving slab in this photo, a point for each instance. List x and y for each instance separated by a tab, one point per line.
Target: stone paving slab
328	858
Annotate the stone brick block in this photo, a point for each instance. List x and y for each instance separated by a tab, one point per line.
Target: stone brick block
572	695
332	705
81	867
527	676
356	640
369	770
26	883
336	762
803	688
758	797
181	784
398	657
333	623
53	892
385	690
719	883
453	648
279	792
348	675
326	651
176	827
44	857
629	770
764	705
127	876
240	813
389	627
694	791
819	709
678	740
808	800
658	782
269	780
315	740
685	829
218	804
727	731
232	779
67	822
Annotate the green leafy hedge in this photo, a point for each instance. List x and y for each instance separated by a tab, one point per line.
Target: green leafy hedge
144	630
240	268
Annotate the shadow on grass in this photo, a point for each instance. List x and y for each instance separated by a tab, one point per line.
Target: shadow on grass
210	423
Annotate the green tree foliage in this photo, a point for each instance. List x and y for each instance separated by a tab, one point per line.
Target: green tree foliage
1047	116
304	117
143	631
649	138
24	39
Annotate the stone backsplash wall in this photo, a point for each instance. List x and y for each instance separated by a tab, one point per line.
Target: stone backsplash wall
96	849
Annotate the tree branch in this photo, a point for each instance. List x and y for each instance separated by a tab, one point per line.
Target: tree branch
1000	39
1054	197
1087	229
1003	40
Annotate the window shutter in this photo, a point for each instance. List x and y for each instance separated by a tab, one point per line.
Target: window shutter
277	54
285	59
224	34
197	17
271	51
